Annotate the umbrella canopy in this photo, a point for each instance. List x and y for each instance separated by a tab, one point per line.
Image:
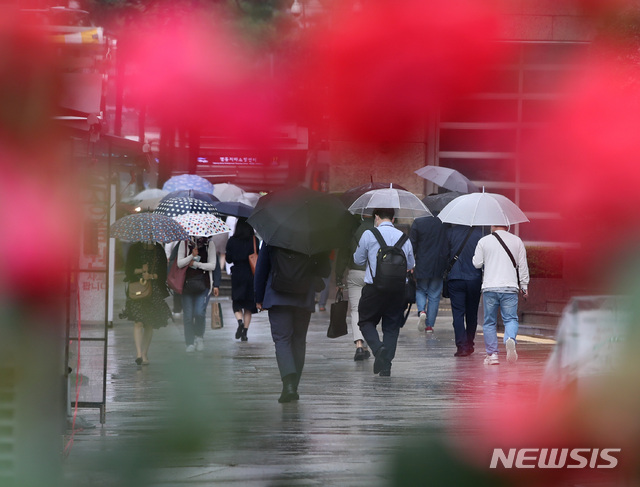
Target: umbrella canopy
227	192
202	224
250	199
192	193
188	181
148	194
405	204
447	178
482	209
179	206
233	208
148	227
302	220
436	202
352	194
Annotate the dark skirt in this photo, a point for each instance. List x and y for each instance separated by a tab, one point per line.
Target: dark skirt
244	305
152	311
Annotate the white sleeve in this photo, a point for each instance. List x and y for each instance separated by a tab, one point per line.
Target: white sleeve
478	256
182	260
211	264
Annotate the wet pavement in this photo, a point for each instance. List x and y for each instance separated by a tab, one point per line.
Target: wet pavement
212	417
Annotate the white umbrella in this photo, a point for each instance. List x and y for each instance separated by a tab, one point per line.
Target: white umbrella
148	194
227	192
447	178
202	224
405	204
482	209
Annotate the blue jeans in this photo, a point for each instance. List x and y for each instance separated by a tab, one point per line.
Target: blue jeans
508	304
194	314
431	290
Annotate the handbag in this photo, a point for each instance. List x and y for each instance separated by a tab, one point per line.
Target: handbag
177	275
139	289
196	283
338	317
216	316
253	258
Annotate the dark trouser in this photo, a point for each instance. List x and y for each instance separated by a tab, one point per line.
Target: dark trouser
465	300
289	325
375	306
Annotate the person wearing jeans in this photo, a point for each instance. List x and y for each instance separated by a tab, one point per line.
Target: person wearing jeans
429	241
202	261
500	288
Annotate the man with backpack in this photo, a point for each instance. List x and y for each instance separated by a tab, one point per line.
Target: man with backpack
285	283
388	255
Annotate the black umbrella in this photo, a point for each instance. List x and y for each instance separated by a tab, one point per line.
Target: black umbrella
436	202
179	206
352	194
192	193
303	220
233	208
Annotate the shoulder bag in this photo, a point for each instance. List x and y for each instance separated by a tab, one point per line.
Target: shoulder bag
253	258
139	289
177	275
513	260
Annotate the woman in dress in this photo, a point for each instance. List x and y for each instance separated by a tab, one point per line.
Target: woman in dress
148	261
239	247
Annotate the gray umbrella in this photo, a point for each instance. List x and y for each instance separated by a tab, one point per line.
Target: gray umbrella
447	178
436	202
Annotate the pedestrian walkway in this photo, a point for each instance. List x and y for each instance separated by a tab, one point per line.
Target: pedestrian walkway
212	418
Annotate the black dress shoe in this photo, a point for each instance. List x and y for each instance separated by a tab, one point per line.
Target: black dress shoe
381	362
462	352
139	361
360	355
367	354
385	373
288	393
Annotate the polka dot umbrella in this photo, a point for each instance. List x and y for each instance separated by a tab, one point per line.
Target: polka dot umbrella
148	227
173	207
202	224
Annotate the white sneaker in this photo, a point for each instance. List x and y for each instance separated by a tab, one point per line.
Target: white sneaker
422	318
199	343
512	355
191	348
491	359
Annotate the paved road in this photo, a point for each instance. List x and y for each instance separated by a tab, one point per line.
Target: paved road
212	418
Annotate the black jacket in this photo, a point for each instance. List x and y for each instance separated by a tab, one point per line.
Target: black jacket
428	237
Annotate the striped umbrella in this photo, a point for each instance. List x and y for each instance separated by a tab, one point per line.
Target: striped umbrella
148	227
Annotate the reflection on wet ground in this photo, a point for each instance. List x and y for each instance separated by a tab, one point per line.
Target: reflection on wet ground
212	418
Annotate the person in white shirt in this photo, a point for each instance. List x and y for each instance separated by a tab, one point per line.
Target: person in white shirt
501	284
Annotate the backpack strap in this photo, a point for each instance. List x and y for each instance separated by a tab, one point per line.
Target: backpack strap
513	260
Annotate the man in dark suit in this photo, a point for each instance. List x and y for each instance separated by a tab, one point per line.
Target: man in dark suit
429	240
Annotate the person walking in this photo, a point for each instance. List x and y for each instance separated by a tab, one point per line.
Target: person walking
147	261
464	283
239	246
354	284
503	257
429	240
290	305
200	282
382	302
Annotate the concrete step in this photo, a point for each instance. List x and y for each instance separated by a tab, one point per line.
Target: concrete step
547	318
556	305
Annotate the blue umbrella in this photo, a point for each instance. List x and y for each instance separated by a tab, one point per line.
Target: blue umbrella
192	193
188	181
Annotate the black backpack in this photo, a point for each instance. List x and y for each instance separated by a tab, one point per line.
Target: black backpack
291	272
391	264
